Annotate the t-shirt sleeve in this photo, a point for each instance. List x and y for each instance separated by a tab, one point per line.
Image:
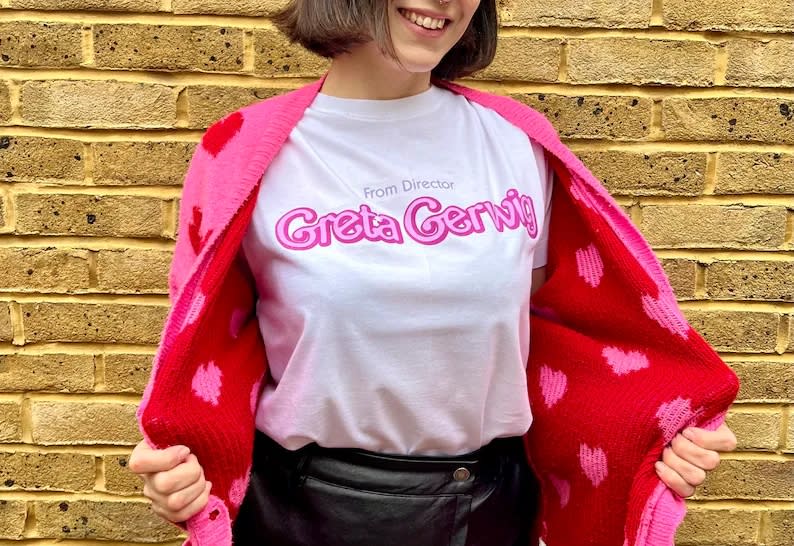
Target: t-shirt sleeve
546	173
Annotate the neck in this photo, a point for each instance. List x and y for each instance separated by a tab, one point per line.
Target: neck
365	73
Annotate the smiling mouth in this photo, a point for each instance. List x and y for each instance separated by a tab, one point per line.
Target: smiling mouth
423	21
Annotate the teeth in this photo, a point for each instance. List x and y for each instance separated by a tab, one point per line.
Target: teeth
422	21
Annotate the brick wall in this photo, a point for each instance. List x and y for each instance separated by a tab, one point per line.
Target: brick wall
684	109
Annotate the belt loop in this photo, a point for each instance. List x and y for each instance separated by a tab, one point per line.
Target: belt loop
298	477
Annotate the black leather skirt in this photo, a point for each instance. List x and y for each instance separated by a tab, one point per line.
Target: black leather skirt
332	497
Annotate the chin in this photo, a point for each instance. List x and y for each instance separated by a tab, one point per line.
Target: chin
419	66
416	62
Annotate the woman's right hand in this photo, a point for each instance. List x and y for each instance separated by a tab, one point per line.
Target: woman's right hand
172	479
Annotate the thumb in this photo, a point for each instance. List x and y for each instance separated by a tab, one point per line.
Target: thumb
170	457
177	453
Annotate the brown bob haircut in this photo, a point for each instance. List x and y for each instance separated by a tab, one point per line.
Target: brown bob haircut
331	27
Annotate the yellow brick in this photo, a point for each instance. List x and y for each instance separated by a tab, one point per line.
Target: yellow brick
750	280
133	271
275	56
780	531
765	381
98	104
5	103
228	7
34	44
116	521
710	226
719	528
127	373
48	270
750	479
594	13
50	373
634	60
209	103
165	47
593	116
729	15
74	214
734	331
47	471
760	63
118	478
660	173
88	322
790	436
525	59
104	5
740	118
12	519
6	332
754	430
67	423
754	172
119	163
681	274
10	423
42	160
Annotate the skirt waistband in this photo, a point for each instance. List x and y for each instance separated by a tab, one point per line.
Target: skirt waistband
416	463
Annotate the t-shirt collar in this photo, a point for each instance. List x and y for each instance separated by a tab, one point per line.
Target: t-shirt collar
423	103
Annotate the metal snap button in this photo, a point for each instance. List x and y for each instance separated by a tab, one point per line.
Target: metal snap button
461	474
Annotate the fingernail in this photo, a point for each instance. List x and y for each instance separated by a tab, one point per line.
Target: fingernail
659	466
184	452
688	434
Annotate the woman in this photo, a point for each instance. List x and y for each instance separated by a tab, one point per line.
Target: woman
393	246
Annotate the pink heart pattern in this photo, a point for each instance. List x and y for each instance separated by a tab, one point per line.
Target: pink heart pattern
622	362
563	488
579	194
666	315
196	306
237	490
254	399
594	464
675	415
553	385
206	383
590	265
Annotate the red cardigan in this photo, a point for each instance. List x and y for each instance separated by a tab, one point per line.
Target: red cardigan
614	372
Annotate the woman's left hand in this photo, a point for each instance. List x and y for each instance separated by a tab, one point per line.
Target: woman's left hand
690	455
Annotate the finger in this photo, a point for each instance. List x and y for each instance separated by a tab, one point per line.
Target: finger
144	459
693	475
194	507
673	480
181	476
177	500
694	454
722	439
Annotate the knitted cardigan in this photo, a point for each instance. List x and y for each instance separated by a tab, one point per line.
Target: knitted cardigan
614	372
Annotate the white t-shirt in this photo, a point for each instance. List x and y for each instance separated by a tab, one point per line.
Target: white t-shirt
393	243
